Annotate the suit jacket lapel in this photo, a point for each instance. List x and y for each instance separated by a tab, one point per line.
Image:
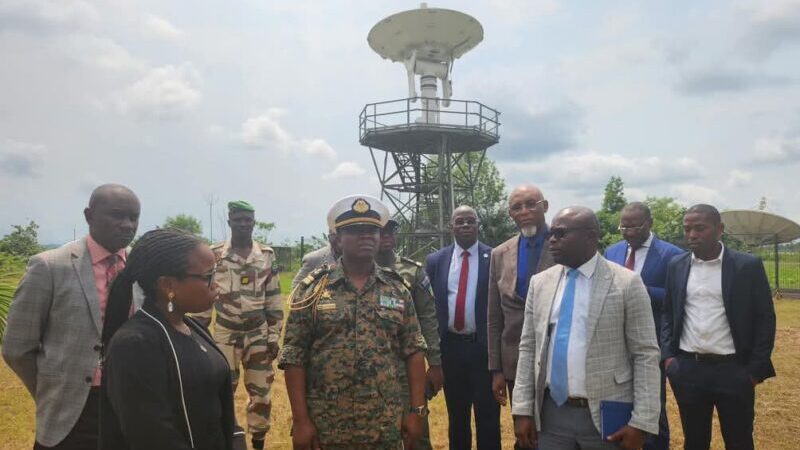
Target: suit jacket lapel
82	263
545	258
651	258
727	280
601	283
510	257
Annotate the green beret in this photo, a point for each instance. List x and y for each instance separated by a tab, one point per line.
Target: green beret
240	205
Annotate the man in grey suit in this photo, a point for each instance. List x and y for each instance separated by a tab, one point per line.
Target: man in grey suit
52	340
588	336
325	255
513	264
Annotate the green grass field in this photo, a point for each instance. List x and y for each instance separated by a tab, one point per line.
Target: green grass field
777	422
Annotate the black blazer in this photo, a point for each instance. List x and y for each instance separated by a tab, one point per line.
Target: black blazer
437	265
748	306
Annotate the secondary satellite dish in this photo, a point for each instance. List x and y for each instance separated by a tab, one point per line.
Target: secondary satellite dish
760	227
426	41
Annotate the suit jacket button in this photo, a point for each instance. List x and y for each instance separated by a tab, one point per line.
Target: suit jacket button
88	379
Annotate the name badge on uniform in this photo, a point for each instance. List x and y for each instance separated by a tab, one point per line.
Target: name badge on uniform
244	280
392	303
326	307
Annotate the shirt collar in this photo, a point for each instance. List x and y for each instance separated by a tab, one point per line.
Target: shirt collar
473	251
587	268
649	241
99	253
696	260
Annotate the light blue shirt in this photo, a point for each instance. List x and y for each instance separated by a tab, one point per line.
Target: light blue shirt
472	288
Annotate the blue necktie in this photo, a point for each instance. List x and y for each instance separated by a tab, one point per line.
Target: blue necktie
559	381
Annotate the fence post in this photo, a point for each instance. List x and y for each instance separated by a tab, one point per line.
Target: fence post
777	266
302	248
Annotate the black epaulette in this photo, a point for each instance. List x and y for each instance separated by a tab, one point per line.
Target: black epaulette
411	261
314	275
396	276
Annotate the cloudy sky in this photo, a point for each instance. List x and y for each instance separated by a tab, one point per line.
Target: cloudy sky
259	100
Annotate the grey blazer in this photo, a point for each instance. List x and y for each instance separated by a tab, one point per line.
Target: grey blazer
506	308
622	355
52	340
312	260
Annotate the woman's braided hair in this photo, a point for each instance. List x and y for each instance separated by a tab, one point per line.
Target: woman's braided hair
158	253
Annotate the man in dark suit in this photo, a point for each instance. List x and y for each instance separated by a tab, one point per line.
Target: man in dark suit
52	341
718	333
644	253
459	275
513	264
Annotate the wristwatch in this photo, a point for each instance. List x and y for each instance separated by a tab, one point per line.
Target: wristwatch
422	411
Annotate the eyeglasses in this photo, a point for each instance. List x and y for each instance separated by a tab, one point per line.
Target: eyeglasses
530	204
468	221
207	277
624	229
560	232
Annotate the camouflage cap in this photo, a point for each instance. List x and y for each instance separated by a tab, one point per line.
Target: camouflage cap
358	210
240	205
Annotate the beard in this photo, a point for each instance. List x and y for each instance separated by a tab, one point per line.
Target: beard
528	230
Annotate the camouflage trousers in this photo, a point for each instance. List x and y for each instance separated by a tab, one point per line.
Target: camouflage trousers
372	446
251	351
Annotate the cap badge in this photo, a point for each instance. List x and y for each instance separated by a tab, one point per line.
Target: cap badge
361	206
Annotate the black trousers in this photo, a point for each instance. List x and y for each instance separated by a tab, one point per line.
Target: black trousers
701	386
83	435
468	386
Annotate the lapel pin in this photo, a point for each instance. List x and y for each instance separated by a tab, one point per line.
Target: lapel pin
485	255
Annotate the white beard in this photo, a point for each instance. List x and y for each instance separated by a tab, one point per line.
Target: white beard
528	231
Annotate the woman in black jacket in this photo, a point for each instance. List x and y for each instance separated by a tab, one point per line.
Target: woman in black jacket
165	384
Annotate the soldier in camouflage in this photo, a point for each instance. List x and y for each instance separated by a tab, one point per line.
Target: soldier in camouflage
351	332
414	275
249	314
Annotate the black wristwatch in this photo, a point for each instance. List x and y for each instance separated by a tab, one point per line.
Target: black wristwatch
422	411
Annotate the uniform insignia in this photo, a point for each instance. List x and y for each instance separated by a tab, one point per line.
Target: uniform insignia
326	307
361	206
392	303
244	280
326	295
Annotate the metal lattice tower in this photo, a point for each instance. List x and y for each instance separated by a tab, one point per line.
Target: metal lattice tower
427	150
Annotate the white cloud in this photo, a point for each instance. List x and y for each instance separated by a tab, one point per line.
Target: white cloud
100	52
21	159
160	28
738	178
345	170
163	93
775	149
691	194
267	132
773	24
579	171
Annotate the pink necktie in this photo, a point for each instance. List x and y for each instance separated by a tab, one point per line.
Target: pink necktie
630	263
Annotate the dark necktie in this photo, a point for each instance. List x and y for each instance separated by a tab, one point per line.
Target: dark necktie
630	263
461	295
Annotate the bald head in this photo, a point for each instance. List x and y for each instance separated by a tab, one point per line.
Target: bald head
527	207
574	235
463	209
113	216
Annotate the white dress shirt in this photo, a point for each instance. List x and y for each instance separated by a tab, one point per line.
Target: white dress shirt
472	288
705	325
641	254
578	341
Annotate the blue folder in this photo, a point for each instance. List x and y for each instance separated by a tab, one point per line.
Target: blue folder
613	416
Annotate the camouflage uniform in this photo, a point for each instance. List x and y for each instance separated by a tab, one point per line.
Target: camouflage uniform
353	347
414	275
248	324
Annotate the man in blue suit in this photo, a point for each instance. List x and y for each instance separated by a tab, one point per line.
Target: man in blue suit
459	275
647	255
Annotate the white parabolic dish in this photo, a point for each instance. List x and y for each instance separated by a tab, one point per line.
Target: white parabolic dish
760	227
437	35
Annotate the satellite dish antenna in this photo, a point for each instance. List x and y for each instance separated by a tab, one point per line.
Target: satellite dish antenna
427	41
760	227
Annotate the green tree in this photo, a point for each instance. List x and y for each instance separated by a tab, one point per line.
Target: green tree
184	222
262	230
23	241
667	219
613	202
